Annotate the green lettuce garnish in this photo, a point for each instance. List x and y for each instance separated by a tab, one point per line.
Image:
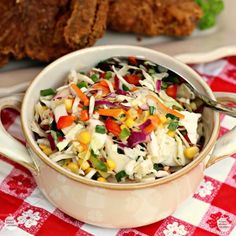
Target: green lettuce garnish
211	9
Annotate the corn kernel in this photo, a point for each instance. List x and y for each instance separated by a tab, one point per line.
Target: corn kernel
193	106
163	118
73	167
129	122
47	150
84	137
68	104
190	152
111	164
171	133
123	127
88	170
122	118
81	148
101	179
84	165
132	113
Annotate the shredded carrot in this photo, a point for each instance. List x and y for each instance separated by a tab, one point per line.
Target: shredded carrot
111	112
165	108
103	83
80	94
105	89
139	110
155	120
134	89
149	128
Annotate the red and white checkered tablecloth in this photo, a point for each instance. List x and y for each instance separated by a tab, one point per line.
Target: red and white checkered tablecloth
211	211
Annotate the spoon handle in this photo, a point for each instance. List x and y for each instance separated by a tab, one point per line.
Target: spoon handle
231	111
217	106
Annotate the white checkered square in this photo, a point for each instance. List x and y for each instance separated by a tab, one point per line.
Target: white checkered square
233	232
221	169
228	122
191	211
16	231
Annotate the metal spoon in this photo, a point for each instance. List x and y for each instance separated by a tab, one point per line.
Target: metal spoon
231	111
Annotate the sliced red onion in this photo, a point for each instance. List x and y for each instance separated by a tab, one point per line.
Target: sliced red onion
158	85
125	107
136	138
121	92
102	102
52	142
111	95
57	97
144	107
122	145
145	124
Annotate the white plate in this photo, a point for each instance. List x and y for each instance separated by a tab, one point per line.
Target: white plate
202	46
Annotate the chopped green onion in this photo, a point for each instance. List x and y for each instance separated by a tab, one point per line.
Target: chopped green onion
47	92
100	129
171	79
151	71
173	125
85	108
157	166
120	175
98	164
95	78
108	75
82	84
124	133
124	87
172	117
152	110
164	85
82	72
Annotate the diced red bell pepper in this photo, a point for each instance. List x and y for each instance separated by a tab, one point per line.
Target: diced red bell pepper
112	127
102	75
172	91
60	138
132	79
84	115
187	138
116	83
132	60
52	142
65	121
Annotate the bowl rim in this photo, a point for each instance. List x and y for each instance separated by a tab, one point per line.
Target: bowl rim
118	186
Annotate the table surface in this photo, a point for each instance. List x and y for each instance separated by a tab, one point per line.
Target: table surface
211	211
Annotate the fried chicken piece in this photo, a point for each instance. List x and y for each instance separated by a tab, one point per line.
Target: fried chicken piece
154	17
47	29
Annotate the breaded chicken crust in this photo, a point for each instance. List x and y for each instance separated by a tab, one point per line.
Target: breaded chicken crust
154	17
47	29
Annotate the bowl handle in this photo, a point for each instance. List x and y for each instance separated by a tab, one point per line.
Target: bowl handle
225	145
9	146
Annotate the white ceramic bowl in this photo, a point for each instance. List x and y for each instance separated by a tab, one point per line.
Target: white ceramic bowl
111	204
